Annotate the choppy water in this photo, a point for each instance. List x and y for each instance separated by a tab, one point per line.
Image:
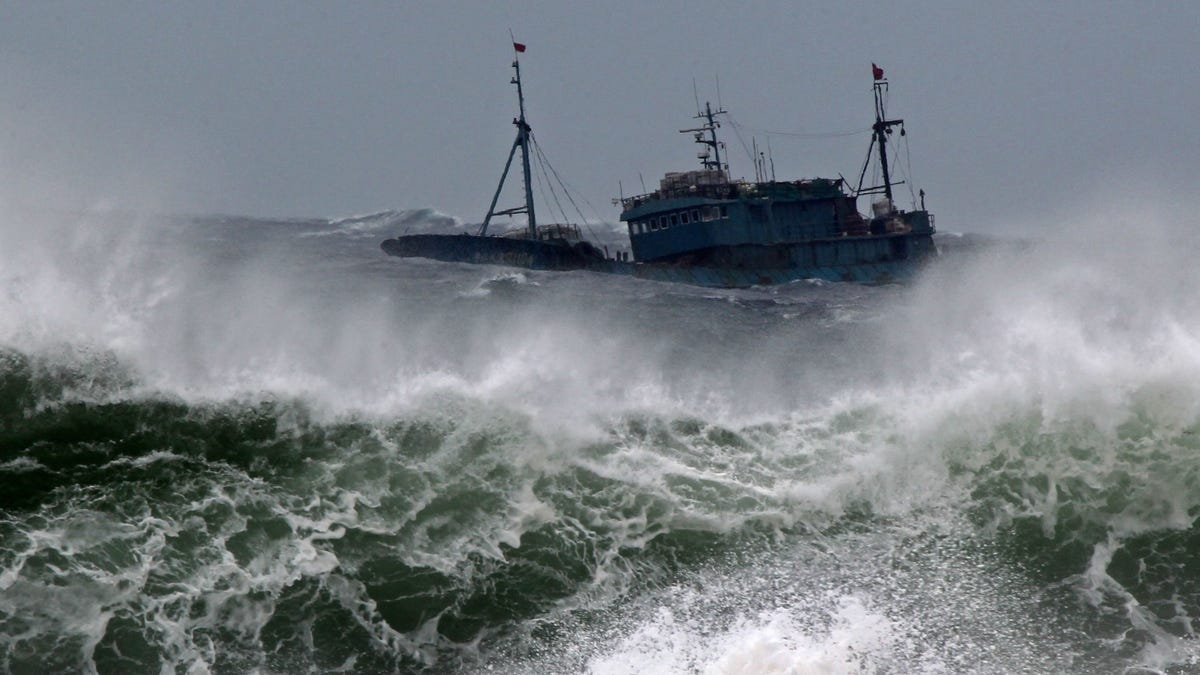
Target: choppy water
244	446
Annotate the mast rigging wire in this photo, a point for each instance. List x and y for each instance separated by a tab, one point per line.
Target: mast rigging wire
798	134
549	185
908	170
545	162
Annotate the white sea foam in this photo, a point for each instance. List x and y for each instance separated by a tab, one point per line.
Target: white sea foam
1068	369
1056	370
851	639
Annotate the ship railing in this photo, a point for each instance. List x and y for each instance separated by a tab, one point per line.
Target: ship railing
722	191
559	231
813	187
565	231
847	226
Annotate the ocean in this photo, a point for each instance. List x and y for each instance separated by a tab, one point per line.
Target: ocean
235	445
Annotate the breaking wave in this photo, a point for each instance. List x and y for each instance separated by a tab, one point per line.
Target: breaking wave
241	449
408	221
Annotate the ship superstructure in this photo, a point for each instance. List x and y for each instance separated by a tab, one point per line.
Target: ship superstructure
768	231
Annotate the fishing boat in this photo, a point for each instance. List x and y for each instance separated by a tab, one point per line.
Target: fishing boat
702	227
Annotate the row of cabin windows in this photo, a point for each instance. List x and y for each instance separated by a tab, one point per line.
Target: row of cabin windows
656	223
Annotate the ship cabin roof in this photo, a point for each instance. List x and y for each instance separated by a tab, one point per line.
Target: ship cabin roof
686	188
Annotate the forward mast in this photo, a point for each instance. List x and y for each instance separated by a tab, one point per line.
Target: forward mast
522	143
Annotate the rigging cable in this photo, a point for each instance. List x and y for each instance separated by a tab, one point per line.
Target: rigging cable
542	166
876	169
908	163
543	159
802	135
862	176
541	191
737	132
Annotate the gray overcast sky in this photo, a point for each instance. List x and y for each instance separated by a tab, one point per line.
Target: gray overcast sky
326	109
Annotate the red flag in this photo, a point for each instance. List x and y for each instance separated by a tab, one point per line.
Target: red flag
877	71
519	47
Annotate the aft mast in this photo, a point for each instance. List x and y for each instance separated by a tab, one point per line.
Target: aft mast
522	142
881	130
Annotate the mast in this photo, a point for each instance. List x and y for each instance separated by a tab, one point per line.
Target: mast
882	127
710	127
881	130
521	142
523	138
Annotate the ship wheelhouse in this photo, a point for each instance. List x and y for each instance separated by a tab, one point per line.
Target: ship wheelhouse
695	210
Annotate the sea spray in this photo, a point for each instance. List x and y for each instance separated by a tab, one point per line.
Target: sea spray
234	446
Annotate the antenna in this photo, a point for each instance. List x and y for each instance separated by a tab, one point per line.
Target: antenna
754	157
772	156
696	95
643	182
709	129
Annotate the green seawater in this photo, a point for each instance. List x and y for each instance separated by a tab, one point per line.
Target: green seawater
257	447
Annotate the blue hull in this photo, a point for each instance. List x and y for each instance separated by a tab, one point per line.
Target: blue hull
872	273
867	260
527	253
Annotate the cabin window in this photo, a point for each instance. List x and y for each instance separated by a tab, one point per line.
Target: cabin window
674	219
695	215
653	224
683	218
707	213
724	211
